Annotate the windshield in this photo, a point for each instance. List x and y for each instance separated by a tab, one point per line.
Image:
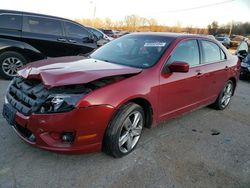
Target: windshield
140	51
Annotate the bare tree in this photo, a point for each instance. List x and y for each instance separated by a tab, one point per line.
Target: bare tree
213	28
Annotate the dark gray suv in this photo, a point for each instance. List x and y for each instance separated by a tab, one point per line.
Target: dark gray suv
26	37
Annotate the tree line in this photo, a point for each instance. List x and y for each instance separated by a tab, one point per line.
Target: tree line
233	28
134	23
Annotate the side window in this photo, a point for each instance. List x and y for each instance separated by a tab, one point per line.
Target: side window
97	34
212	52
187	51
75	31
42	26
10	21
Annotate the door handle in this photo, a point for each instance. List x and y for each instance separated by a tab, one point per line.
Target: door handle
226	68
61	40
198	73
72	41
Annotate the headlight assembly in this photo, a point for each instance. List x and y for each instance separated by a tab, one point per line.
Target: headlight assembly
60	103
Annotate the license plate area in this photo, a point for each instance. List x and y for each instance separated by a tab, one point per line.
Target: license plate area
9	113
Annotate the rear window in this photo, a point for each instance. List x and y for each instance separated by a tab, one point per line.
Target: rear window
42	26
10	21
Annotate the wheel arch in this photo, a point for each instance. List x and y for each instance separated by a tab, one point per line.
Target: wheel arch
15	49
146	106
233	79
25	49
27	53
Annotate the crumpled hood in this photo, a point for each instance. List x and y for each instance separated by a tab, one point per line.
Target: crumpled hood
73	70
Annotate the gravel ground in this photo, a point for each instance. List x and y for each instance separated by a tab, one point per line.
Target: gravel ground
204	148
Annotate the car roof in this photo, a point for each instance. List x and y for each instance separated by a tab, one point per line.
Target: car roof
171	35
33	14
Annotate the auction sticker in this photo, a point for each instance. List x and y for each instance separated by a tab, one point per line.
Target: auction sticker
154	44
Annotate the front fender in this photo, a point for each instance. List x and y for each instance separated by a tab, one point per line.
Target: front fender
140	86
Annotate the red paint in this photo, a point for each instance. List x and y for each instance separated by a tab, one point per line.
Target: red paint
179	67
73	70
81	121
170	94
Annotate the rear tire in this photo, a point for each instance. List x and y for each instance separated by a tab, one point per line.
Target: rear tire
225	96
10	61
124	130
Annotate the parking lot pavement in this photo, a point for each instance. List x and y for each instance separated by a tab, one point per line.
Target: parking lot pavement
205	148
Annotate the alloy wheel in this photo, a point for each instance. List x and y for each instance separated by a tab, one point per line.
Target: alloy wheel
10	66
130	132
227	94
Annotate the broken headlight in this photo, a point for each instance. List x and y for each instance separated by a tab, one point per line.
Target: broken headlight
60	103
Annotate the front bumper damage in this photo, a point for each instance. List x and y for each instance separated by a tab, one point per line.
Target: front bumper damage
46	130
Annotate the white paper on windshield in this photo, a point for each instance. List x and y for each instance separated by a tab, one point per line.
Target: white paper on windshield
154	44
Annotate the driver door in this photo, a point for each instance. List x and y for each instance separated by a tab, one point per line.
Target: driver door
181	92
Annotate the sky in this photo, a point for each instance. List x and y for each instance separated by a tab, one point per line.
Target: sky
196	13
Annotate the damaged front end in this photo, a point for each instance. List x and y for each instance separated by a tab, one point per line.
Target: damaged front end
57	105
29	96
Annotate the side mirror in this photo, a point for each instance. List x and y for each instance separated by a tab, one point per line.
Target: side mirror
90	39
86	39
100	37
179	66
94	38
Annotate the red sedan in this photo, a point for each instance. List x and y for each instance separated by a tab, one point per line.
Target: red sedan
76	104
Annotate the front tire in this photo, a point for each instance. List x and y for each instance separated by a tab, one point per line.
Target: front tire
10	62
124	130
225	96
